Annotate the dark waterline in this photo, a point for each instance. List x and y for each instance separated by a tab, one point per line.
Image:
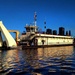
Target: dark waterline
41	61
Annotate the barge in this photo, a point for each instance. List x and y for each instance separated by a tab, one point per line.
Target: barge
33	38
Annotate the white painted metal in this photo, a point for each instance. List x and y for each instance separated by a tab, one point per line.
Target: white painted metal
53	39
8	38
1	41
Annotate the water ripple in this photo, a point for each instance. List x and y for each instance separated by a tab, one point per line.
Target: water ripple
41	61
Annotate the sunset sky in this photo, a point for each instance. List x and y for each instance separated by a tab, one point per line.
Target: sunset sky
15	14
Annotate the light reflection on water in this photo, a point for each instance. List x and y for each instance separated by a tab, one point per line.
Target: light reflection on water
41	61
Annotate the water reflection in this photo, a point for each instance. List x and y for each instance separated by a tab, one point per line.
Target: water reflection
9	60
53	52
30	61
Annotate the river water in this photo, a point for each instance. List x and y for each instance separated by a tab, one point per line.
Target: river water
40	61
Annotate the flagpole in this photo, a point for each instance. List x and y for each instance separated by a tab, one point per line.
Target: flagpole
45	26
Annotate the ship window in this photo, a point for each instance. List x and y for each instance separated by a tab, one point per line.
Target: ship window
32	29
27	29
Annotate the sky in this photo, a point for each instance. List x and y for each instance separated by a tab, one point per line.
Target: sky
15	14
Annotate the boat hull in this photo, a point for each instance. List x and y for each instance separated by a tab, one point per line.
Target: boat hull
45	46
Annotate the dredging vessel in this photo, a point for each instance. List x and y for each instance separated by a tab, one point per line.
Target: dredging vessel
32	36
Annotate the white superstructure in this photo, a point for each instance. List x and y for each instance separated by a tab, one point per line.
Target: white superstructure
45	39
32	37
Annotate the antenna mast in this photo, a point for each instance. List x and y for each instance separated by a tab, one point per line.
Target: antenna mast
35	18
